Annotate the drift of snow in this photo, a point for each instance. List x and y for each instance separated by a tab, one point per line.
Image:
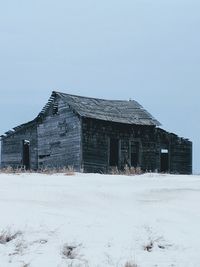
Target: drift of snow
99	220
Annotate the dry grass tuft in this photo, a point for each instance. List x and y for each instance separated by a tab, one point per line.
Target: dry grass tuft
132	170
149	247
70	251
7	170
69	171
130	264
114	171
10	169
127	171
66	170
7	236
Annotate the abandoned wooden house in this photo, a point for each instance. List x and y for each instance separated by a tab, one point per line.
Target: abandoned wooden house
94	135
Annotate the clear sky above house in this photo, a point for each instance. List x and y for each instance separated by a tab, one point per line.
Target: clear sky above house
147	50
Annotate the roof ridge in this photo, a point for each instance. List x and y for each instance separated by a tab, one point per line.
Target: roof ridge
95	98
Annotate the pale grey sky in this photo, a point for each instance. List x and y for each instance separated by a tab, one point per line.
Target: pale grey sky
147	50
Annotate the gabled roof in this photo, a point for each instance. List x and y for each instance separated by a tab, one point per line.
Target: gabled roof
121	111
129	112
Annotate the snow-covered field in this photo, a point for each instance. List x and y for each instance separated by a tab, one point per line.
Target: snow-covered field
99	220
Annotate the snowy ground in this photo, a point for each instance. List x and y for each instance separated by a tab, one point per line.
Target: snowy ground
100	220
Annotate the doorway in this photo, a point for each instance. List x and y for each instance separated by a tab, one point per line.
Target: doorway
26	154
114	152
164	164
135	154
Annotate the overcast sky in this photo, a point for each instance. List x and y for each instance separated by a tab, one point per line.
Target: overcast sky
147	50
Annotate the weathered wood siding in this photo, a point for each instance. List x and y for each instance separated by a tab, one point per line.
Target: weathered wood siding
12	148
59	138
180	151
95	144
96	136
181	155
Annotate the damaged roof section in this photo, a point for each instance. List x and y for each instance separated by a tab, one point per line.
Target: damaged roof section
120	111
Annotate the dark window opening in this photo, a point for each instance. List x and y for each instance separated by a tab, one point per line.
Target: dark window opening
26	154
135	150
114	152
164	164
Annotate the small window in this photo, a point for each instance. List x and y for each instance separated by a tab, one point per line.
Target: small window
164	151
